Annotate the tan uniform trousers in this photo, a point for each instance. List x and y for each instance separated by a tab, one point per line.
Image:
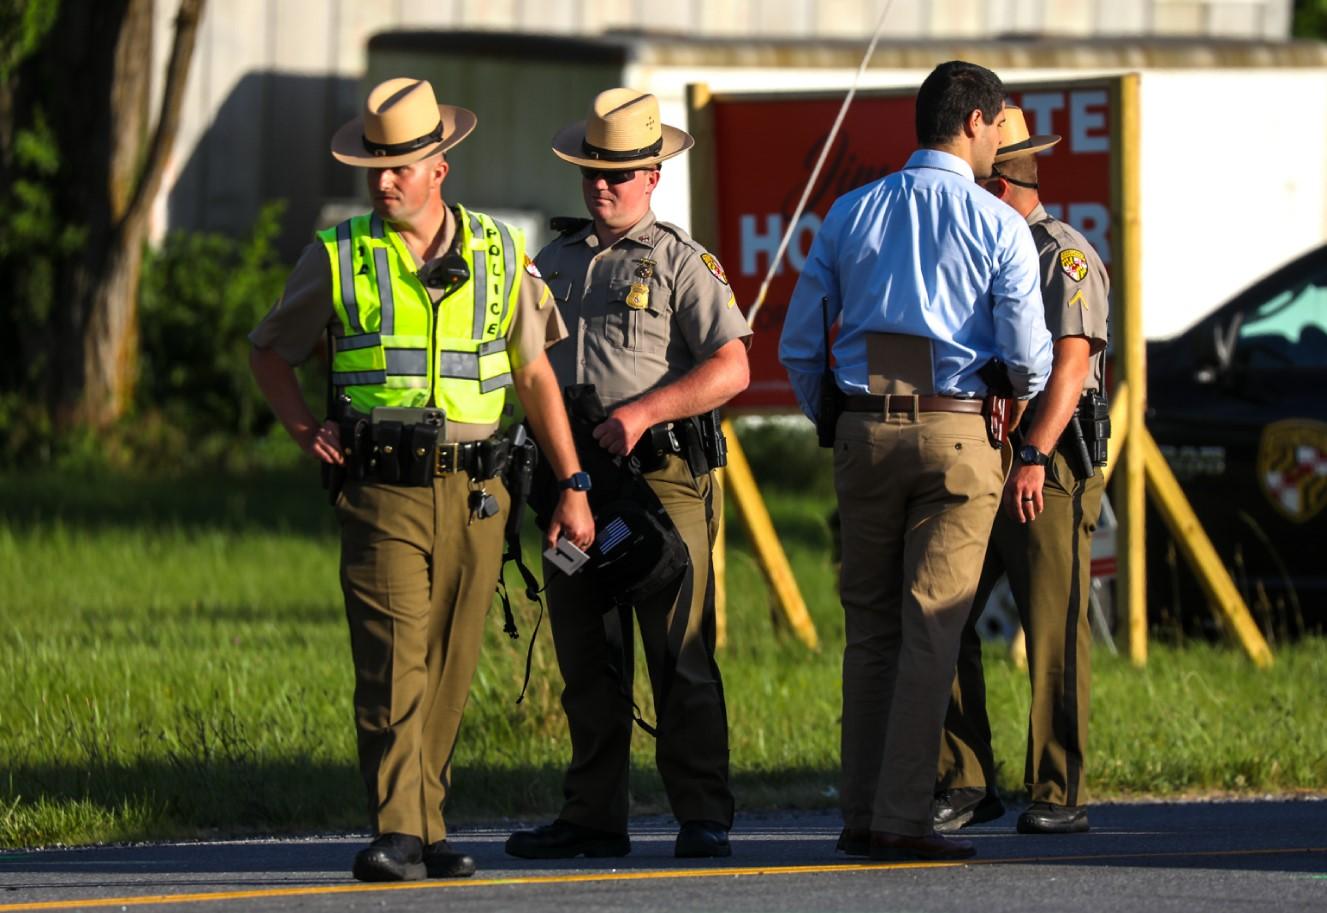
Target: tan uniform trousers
418	578
916	495
677	632
1049	563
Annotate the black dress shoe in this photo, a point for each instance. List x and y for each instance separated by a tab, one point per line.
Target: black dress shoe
564	840
887	846
957	808
702	840
442	861
854	842
1048	818
392	857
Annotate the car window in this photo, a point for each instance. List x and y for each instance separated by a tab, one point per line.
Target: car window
1287	330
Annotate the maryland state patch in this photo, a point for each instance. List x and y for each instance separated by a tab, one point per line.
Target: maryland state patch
532	269
1292	467
712	264
1074	264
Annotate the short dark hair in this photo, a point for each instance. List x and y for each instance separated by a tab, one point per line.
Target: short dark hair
952	92
1020	168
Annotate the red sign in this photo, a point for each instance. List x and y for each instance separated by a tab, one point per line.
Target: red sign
766	146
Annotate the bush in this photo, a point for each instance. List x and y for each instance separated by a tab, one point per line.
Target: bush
200	296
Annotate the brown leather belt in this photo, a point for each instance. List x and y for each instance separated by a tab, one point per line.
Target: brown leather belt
868	403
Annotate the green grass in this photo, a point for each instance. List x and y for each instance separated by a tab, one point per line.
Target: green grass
174	662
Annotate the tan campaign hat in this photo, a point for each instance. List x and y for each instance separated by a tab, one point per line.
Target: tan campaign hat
1014	139
622	132
402	123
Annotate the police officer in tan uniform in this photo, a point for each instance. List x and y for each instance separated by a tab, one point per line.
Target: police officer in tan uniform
429	309
655	328
1042	539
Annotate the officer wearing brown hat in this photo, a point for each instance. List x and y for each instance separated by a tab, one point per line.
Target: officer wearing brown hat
655	328
1043	538
431	312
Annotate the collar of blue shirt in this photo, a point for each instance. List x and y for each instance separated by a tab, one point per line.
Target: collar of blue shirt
945	161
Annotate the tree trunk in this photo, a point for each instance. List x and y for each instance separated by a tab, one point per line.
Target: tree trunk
91	82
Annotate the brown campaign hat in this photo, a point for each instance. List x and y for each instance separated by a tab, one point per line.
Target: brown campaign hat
622	132
1014	139
402	123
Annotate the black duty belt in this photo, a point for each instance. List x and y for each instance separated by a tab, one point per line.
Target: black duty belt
453	456
868	403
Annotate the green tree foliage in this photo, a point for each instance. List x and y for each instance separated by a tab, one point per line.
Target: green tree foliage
23	25
1310	19
201	295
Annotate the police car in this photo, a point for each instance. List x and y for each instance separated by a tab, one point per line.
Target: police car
1238	406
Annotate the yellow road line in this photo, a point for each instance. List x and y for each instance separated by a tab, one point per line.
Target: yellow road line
729	872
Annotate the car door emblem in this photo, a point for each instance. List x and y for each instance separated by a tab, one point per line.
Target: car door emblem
1292	467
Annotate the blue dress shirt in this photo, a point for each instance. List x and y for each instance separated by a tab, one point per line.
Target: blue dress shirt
928	252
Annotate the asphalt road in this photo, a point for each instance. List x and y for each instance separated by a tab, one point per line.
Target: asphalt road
1209	856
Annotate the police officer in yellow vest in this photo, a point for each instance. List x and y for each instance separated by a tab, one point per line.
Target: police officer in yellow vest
432	312
1043	537
655	329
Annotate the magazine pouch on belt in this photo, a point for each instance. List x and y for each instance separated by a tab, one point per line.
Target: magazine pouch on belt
637	550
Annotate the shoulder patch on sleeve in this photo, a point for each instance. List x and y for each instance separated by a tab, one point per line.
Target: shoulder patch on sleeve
712	264
1074	264
531	268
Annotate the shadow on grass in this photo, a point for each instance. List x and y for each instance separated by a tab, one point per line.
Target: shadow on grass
201	796
290	501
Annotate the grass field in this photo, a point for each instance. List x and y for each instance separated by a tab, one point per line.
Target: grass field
174	661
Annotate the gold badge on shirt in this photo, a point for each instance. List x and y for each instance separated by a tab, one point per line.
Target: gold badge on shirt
639	297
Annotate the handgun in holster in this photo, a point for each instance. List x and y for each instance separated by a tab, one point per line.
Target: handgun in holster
333	475
522	458
998	403
1074	449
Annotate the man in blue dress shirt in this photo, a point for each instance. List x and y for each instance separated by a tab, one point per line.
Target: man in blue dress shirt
932	278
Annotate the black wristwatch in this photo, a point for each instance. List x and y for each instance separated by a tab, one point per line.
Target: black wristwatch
1031	456
577	481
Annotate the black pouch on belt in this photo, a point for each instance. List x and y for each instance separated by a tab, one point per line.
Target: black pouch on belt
421	445
387	451
492	457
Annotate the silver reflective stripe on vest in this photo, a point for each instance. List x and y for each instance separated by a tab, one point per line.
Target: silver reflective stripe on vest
509	272
375	226
458	365
385	299
480	277
407	362
493	345
363	378
346	263
494	383
350	343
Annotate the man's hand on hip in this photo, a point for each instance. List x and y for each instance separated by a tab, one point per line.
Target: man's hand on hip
623	428
324	443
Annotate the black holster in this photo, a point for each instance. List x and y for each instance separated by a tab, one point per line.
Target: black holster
1074	450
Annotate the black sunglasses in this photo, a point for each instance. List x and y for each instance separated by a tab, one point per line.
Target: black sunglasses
610	177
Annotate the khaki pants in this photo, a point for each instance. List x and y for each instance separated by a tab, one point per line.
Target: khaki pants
594	650
418	579
916	495
1049	563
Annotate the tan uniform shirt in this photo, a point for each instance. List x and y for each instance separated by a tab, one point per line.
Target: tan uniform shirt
688	313
297	323
1074	288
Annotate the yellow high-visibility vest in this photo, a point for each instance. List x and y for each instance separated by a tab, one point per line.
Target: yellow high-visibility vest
396	347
